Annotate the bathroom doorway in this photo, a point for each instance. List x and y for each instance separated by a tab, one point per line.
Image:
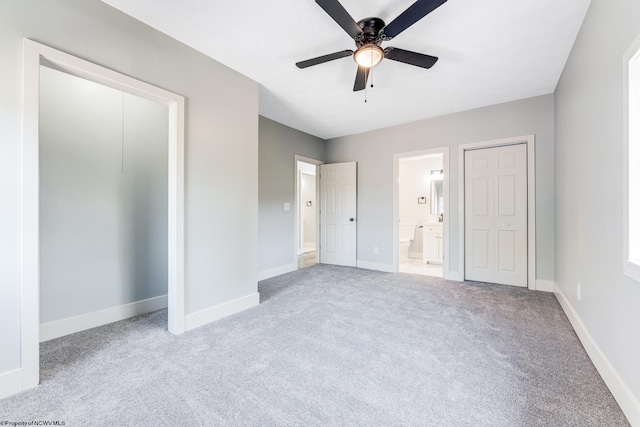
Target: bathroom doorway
306	211
420	214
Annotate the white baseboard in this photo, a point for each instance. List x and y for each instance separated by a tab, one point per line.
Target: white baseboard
545	285
277	271
71	325
625	398
10	383
377	266
219	311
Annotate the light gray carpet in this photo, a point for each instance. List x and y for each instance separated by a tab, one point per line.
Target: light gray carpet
333	346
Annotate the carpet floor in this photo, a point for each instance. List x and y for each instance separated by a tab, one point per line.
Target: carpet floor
332	346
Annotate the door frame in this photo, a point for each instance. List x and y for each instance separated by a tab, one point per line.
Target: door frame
34	55
396	203
317	163
529	140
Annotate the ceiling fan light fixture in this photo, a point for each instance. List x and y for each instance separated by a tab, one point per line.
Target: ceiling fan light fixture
368	56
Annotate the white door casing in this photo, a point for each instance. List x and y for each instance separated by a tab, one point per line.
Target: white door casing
33	54
338	214
297	159
496	215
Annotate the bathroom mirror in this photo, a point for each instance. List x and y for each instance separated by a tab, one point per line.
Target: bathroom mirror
437	198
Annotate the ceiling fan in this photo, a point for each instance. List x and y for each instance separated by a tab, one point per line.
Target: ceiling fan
369	33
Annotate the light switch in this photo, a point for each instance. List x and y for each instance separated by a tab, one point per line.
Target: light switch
287	206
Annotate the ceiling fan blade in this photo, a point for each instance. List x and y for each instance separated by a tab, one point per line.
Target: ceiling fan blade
341	16
411	58
324	58
413	14
361	79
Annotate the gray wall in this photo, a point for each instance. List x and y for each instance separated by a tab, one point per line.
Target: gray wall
103	197
589	185
221	145
278	146
374	153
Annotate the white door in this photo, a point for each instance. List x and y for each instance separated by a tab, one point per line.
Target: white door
495	191
338	214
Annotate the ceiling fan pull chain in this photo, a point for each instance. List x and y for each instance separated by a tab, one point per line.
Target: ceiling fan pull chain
371	76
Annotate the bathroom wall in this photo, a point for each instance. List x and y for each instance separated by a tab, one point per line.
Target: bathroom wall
103	197
415	182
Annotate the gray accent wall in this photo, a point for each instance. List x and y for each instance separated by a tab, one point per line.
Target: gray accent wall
588	205
221	150
103	197
374	153
278	146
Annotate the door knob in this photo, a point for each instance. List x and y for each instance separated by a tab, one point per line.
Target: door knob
352	219
507	224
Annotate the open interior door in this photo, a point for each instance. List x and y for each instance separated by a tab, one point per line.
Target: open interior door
495	206
338	214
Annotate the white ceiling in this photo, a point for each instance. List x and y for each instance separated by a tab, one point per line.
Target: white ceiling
490	51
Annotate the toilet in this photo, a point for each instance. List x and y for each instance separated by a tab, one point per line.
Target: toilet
406	234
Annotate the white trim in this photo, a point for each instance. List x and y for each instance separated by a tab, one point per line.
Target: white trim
71	325
630	108
629	403
529	140
175	260
296	159
377	266
217	312
10	383
277	271
34	53
545	285
30	226
449	275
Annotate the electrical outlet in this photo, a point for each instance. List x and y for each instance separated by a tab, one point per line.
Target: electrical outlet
579	291
287	207
376	251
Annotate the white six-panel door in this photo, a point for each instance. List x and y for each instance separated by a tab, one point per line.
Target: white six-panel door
496	215
338	214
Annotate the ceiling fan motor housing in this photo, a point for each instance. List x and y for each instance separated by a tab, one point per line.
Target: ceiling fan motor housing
370	31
